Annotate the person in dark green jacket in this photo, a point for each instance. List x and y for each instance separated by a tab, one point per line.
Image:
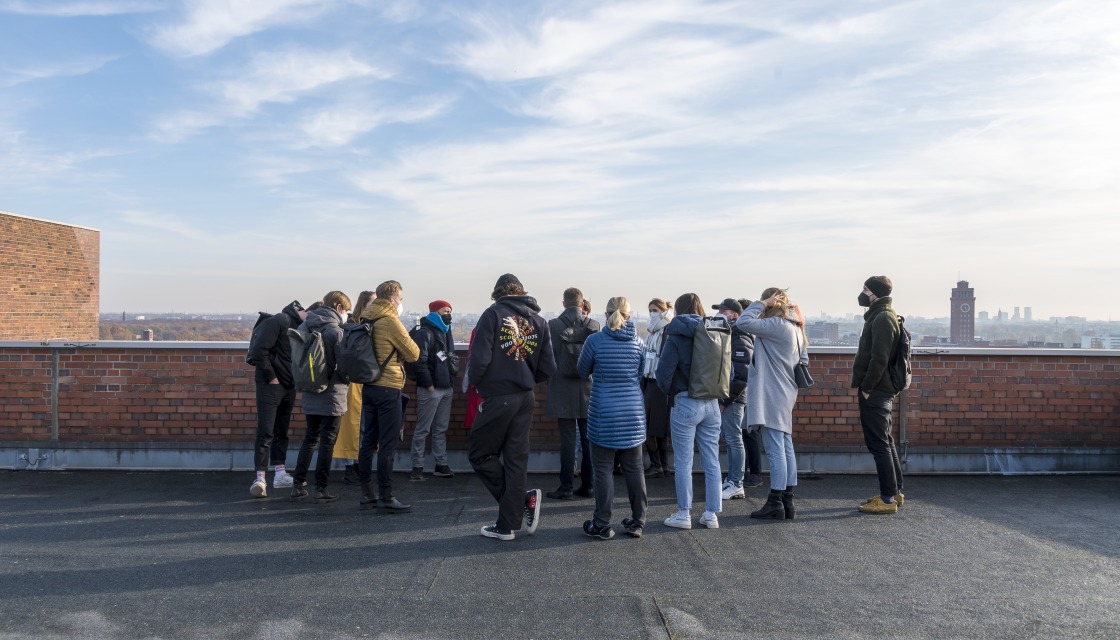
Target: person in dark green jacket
876	393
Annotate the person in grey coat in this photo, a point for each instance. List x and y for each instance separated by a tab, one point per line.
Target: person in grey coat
323	410
612	359
779	344
568	397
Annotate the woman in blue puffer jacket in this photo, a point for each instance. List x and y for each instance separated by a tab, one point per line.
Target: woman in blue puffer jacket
616	418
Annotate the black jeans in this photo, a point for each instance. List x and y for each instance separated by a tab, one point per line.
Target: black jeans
875	417
321	432
568	429
631	462
499	453
274	414
753	442
382	415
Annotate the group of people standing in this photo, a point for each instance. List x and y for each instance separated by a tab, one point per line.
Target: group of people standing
614	393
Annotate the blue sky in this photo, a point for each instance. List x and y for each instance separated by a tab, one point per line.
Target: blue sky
237	154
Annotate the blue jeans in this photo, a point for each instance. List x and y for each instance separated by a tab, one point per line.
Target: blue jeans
783	461
696	421
731	424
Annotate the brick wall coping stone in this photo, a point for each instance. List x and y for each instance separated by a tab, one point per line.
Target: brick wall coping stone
64	224
459	346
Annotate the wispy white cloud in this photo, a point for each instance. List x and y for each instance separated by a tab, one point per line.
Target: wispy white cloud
270	77
166	223
76	8
208	25
340	124
10	76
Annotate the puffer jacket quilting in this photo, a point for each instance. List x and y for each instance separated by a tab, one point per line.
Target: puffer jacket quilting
616	417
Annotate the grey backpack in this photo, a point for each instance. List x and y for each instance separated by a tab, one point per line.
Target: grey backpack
309	360
710	376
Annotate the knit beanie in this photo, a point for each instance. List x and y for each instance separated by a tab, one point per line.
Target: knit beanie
436	305
881	286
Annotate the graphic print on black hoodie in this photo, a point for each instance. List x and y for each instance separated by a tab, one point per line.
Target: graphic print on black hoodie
518	337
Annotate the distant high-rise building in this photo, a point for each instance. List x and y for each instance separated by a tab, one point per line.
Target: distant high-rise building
1027	314
962	314
983	315
1016	316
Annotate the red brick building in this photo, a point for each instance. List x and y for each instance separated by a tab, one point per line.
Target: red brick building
50	279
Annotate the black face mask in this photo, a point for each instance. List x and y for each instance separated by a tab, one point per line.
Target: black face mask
864	300
446	317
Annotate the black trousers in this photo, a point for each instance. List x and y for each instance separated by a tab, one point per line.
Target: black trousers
875	417
753	442
630	460
274	414
322	431
382	414
499	453
568	429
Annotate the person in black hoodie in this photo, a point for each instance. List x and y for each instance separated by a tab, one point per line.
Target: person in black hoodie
271	354
510	355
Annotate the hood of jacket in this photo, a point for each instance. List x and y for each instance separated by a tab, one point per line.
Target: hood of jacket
624	333
682	325
293	309
378	309
524	305
320	317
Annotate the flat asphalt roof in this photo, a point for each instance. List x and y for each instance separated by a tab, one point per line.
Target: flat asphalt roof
122	555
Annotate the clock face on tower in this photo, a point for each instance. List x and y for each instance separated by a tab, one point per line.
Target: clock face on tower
965	308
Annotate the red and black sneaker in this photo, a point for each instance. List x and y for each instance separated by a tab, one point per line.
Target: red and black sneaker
532	510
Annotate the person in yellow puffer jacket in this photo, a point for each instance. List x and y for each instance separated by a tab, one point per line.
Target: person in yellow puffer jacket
382	411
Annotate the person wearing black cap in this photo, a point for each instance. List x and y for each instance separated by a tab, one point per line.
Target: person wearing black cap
731	418
510	355
875	392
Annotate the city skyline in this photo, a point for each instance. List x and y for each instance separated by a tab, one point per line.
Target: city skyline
236	155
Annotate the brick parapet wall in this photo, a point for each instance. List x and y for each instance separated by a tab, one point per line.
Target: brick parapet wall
178	394
49	277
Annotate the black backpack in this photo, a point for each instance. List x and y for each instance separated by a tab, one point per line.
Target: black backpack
255	337
899	365
572	337
356	357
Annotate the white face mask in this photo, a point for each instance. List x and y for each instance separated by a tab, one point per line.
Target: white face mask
400	308
654	317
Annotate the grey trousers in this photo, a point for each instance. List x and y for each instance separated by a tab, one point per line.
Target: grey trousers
433	413
630	460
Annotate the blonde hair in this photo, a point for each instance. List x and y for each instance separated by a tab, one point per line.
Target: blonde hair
388	289
335	298
784	308
618	312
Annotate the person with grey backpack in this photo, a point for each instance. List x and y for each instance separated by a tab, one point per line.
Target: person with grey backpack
323	409
695	372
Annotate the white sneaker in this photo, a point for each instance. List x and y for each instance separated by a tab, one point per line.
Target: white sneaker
282	480
259	489
710	520
680	519
731	492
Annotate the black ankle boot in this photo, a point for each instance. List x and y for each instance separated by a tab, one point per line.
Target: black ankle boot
350	475
368	499
773	509
787	502
386	503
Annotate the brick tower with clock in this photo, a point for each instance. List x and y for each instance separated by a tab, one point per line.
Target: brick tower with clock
962	314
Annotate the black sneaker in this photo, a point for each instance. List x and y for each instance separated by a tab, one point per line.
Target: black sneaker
584	492
350	475
443	471
632	528
492	531
532	510
559	494
417	473
753	481
602	533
